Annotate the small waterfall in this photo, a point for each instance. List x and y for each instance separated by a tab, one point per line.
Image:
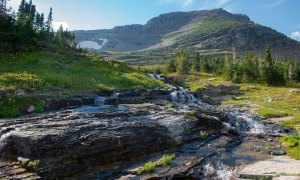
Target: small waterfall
221	172
178	94
3	140
246	123
157	77
100	101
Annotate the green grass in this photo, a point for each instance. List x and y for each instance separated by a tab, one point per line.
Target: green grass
15	106
294	143
49	71
271	113
150	166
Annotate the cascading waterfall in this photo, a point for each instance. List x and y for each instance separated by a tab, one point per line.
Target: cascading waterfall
178	94
3	140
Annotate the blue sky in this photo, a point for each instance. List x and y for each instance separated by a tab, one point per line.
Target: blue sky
282	15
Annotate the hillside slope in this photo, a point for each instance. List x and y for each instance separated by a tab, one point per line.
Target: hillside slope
197	30
67	72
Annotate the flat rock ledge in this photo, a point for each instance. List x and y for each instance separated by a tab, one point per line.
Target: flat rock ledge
277	168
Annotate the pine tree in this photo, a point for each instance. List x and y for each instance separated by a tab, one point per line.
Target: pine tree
204	64
21	8
197	62
182	59
268	67
293	72
171	66
49	27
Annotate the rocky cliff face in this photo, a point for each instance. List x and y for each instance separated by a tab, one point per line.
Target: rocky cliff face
197	30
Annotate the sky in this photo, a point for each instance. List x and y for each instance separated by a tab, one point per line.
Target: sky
281	15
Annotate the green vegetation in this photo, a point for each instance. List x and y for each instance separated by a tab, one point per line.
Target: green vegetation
68	71
30	165
33	164
203	135
271	113
29	31
150	166
15	106
170	106
294	143
249	69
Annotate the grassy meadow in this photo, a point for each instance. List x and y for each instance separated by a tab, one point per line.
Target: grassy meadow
63	73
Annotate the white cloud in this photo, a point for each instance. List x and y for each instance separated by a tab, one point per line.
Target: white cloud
56	25
296	35
276	3
14	4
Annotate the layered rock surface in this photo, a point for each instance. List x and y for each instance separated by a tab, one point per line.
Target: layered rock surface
101	137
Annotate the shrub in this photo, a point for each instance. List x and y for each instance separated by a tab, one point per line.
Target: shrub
150	166
165	160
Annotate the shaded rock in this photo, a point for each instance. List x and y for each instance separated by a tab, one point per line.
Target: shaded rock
278	152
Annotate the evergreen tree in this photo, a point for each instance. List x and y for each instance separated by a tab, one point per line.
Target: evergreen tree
268	69
293	72
171	66
204	64
183	65
49	22
197	62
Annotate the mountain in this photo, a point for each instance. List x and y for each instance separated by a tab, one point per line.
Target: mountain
205	30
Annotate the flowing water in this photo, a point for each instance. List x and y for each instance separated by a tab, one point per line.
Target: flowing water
178	94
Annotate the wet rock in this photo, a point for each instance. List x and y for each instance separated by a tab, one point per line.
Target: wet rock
278	152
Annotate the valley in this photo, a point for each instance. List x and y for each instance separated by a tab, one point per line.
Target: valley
205	94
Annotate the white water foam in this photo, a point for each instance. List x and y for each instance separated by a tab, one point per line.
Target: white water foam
179	94
246	123
222	172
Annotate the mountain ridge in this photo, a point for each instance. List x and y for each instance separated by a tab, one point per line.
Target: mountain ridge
195	30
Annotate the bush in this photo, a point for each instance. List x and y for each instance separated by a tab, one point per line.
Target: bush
165	160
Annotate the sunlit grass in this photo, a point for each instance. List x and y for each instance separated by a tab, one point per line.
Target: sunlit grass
48	71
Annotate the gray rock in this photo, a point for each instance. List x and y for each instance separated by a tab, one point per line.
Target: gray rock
31	109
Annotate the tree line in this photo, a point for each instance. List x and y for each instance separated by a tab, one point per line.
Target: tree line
28	29
248	69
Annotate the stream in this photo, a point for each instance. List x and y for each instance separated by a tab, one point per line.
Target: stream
112	137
